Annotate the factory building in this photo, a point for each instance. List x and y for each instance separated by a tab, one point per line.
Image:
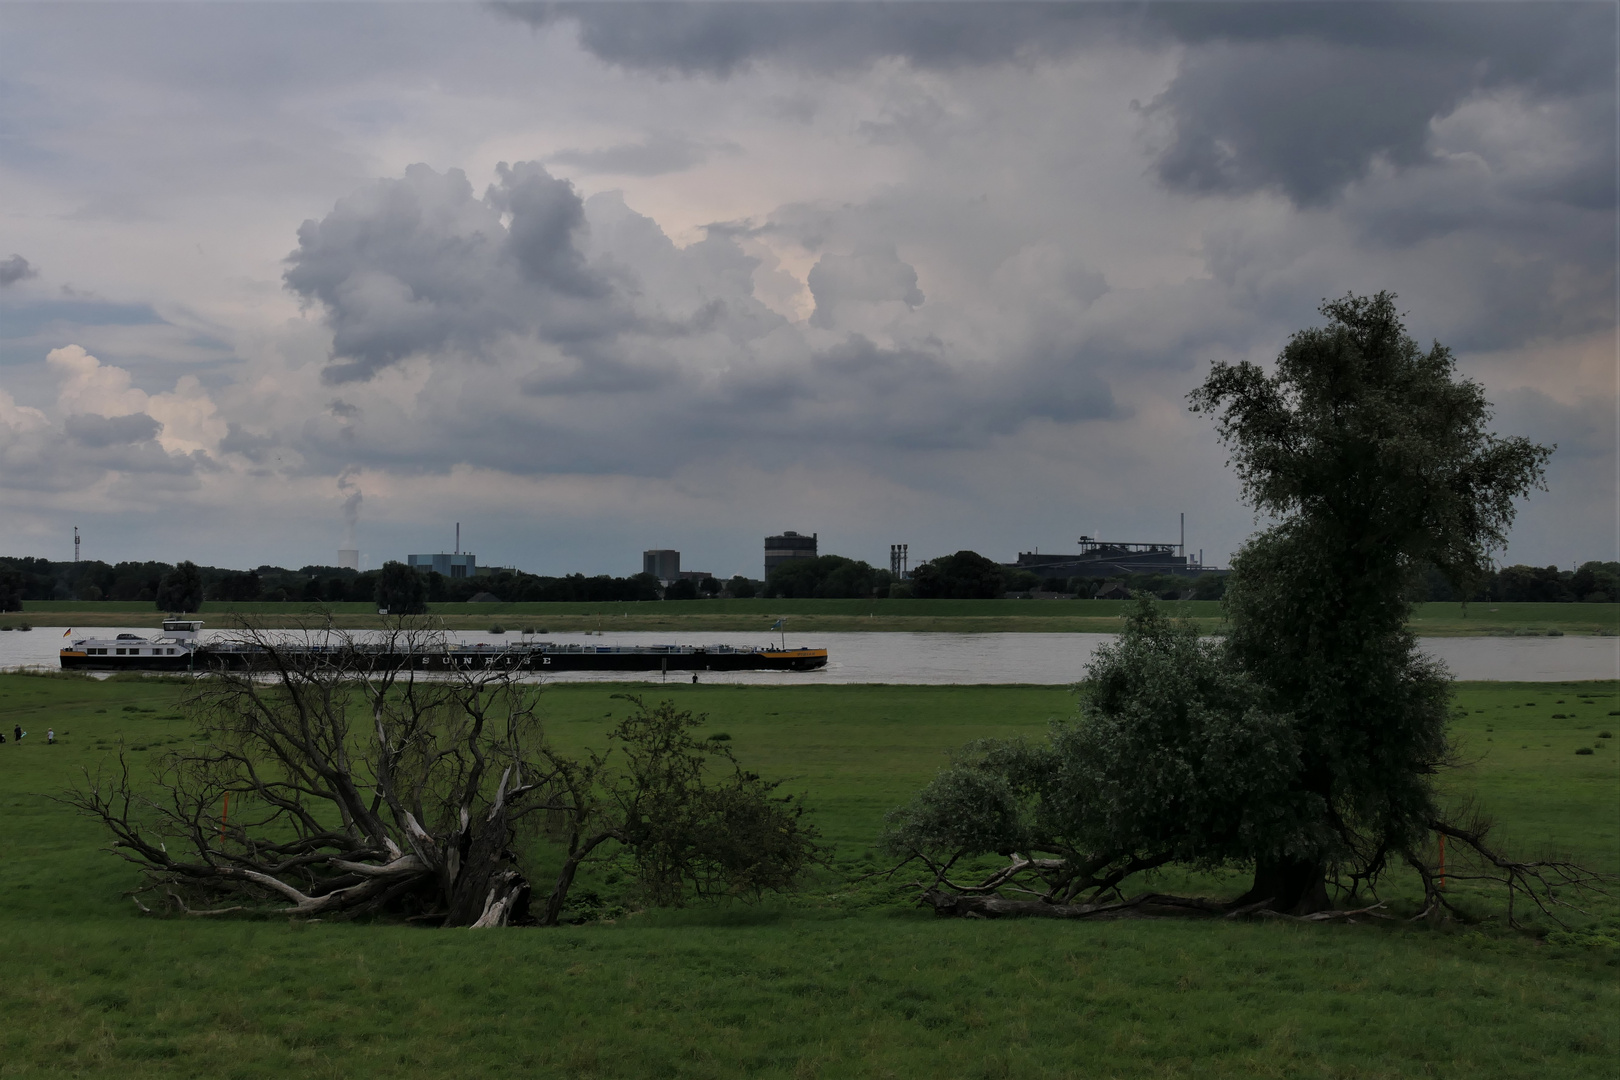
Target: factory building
663	564
1116	558
462	564
790	545
1109	558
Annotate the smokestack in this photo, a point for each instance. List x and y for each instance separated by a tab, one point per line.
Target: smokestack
1182	547
458	538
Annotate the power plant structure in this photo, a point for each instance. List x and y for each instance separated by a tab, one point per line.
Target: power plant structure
462	564
899	556
459	564
790	545
1115	558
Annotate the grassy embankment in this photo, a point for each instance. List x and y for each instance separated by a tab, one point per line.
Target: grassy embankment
696	617
844	980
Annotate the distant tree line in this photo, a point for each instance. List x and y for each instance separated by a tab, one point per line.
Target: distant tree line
1592	583
966	575
183	587
90	579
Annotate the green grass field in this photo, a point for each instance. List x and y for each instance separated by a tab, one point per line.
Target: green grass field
809	616
845	980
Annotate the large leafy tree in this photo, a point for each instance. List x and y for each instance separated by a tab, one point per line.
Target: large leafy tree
1375	460
1173	758
967	575
401	590
1306	744
181	589
827	577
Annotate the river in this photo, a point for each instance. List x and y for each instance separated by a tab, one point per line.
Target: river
959	659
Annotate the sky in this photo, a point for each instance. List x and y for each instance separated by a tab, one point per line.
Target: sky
279	278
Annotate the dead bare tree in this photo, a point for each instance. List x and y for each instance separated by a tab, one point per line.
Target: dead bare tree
1546	885
327	786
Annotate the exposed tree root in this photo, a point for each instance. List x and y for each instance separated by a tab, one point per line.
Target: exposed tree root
1145	906
1050	886
1372	912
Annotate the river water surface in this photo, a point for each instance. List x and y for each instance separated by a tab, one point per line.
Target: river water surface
951	659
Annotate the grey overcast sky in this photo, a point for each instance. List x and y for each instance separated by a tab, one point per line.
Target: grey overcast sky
593	279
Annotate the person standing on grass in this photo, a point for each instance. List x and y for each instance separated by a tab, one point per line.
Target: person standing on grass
17	733
50	736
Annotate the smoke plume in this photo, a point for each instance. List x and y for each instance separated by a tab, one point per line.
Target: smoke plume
351	505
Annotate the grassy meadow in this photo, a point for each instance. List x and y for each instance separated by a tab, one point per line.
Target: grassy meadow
846	979
809	616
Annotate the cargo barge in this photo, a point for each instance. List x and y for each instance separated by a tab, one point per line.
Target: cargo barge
179	648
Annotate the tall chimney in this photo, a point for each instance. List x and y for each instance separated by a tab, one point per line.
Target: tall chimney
1182	549
458	538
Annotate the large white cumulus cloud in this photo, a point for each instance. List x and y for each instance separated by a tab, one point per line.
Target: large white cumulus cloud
107	436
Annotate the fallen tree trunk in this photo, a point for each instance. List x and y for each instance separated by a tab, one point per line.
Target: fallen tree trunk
1148	905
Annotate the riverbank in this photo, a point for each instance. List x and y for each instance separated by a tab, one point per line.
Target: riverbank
698	618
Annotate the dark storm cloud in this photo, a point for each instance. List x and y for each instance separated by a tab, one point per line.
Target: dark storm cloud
718	39
1306	118
97	432
1305	99
1298	98
855	397
15	269
870	276
90	449
917	399
548	217
691	366
237	440
419	265
656	155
